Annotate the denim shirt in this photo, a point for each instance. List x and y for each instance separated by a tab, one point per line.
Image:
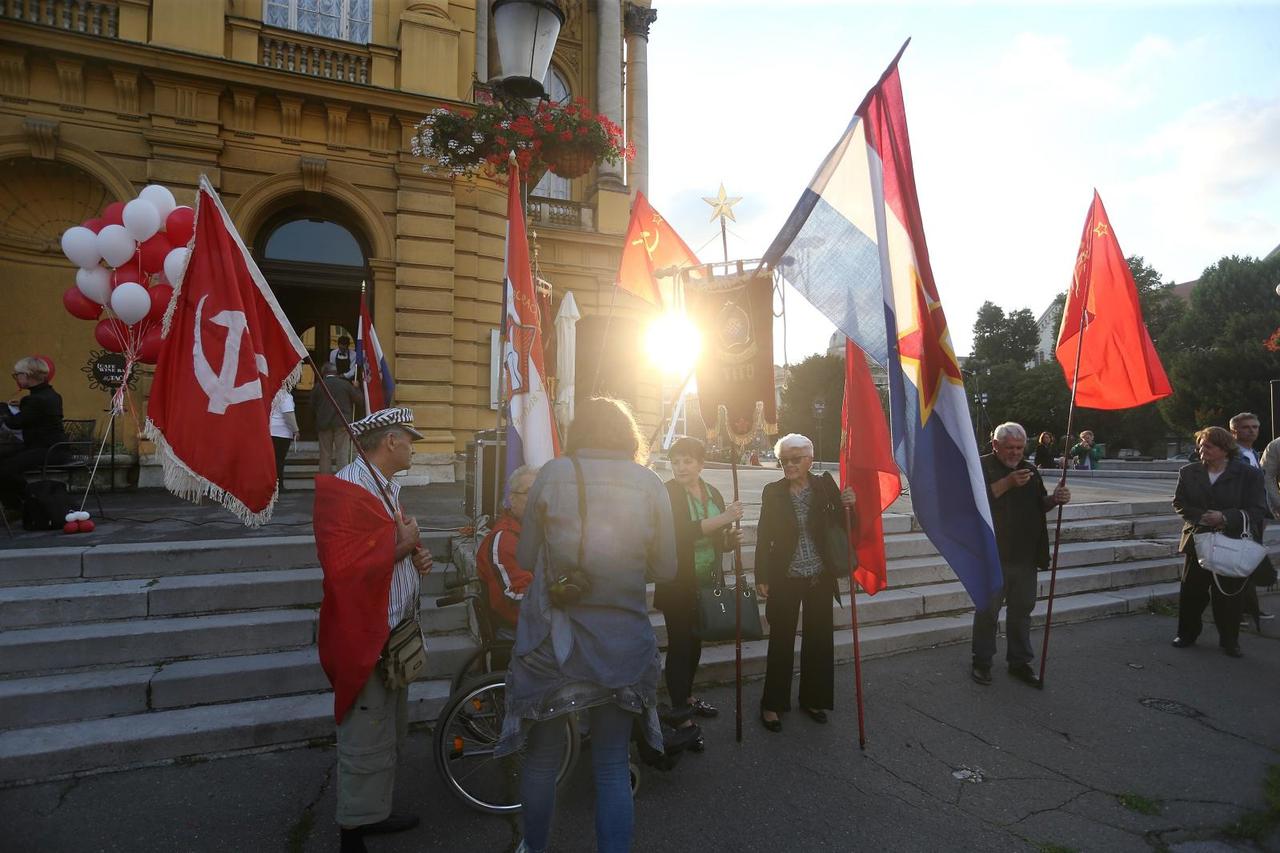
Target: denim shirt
601	649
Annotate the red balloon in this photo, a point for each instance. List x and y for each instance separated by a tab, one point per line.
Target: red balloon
86	526
180	225
113	214
149	347
48	361
128	271
112	335
71	527
160	296
80	306
153	253
95	225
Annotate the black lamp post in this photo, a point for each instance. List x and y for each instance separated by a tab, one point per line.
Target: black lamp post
819	409
527	31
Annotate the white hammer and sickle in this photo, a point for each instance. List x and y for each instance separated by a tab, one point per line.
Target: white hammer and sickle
220	387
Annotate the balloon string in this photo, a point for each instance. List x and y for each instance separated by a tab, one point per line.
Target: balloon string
106	432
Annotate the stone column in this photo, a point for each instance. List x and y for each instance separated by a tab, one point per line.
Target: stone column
637	21
609	80
482	40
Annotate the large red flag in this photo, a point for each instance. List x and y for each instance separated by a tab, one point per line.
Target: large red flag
651	245
1119	368
227	351
866	466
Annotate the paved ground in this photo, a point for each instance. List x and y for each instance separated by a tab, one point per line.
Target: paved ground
1127	726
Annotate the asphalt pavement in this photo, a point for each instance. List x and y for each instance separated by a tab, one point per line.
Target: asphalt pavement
1133	746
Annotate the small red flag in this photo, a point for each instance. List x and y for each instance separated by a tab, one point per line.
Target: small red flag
651	244
228	349
866	466
1119	367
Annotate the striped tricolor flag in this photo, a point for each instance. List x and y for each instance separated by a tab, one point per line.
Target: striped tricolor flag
376	375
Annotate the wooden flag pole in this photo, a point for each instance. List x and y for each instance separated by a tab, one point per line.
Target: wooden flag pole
853	612
737	605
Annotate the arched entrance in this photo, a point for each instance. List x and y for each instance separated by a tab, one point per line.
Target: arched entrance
315	265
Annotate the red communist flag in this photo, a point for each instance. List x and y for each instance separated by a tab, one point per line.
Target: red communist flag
1119	368
651	245
227	351
866	466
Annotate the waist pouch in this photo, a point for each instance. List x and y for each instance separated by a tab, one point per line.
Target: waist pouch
404	656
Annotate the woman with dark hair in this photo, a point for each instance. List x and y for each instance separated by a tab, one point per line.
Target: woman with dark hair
704	532
1218	493
797	567
1045	455
597	526
39	417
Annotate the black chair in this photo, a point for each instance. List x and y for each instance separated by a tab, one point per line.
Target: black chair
70	457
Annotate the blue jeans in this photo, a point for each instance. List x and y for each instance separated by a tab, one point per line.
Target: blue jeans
610	762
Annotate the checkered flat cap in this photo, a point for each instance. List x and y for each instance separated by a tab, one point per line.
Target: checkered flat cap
396	417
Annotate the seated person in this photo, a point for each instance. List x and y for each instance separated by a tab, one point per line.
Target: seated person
39	416
504	579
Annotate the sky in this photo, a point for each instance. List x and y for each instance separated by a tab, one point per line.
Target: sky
1016	113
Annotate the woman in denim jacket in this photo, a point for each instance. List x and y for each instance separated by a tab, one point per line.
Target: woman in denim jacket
598	653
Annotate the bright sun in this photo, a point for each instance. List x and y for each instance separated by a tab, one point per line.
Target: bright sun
672	343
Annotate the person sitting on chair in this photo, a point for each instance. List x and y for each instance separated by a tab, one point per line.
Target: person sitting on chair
505	580
39	416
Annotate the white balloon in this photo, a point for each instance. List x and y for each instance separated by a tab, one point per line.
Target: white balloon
95	283
174	262
80	245
115	245
141	219
131	302
160	197
1278	290
82	516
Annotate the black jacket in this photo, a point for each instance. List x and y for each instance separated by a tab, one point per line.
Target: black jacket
1238	492
39	417
779	531
682	592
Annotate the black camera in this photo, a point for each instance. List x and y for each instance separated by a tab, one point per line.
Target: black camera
569	587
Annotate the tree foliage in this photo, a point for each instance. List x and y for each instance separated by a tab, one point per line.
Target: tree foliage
818	377
1000	338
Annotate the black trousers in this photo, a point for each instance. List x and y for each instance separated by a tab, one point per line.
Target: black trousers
12	484
281	446
1019	596
817	646
1198	589
684	652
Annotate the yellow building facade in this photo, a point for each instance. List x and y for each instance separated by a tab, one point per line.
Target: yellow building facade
300	113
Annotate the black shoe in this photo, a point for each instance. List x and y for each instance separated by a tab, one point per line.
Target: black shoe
392	823
981	674
1232	651
703	708
1181	643
771	725
698	745
1026	675
352	841
818	716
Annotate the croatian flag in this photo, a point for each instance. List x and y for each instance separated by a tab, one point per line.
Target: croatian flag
377	383
531	433
854	247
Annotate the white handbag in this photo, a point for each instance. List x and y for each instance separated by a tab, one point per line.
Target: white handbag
1227	557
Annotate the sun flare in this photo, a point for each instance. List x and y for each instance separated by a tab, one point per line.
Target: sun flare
672	342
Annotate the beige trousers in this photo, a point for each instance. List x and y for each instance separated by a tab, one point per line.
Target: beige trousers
335	449
369	741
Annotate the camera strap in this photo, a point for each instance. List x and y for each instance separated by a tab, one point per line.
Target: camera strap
582	508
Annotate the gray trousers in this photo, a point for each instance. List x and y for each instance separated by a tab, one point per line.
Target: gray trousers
369	740
1019	594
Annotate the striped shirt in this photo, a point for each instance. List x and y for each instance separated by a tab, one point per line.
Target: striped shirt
403	600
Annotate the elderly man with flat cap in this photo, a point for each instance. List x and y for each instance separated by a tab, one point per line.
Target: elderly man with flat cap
369	638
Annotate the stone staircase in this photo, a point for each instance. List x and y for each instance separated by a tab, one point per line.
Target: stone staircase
120	655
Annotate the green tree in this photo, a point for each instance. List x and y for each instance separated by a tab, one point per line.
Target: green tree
1004	339
818	377
1161	307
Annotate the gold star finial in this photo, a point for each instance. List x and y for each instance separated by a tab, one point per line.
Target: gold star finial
722	205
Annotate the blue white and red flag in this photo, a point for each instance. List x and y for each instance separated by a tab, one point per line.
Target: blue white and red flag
531	432
854	247
377	384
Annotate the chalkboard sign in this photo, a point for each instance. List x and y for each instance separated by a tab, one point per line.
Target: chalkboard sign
106	369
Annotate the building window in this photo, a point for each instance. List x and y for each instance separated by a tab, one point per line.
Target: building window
553	186
346	20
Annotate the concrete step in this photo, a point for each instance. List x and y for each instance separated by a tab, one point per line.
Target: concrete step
182	595
135	739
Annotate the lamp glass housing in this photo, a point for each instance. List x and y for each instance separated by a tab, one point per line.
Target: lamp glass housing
527	31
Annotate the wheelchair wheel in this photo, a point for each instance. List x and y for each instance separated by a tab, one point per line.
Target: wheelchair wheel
465	737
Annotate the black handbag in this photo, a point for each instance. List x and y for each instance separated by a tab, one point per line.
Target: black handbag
716	621
567	586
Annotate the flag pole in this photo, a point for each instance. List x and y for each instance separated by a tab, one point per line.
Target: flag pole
737	603
1062	481
853	612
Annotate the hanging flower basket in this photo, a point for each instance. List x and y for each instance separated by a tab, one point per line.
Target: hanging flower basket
569	159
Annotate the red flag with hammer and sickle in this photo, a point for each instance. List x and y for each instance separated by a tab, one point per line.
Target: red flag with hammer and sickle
652	245
228	349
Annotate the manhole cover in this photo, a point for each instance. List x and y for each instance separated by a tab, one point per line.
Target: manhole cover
968	774
1170	706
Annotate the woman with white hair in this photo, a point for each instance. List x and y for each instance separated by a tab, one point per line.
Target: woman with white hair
797	565
39	417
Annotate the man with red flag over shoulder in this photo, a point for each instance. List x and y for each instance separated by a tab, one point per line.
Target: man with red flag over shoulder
1019	502
371	645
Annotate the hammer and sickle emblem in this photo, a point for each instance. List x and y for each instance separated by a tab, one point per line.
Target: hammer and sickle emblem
644	241
220	387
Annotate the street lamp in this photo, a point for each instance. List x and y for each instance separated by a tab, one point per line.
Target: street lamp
819	409
527	31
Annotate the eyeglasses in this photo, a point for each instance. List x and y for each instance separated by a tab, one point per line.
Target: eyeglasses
16	375
794	460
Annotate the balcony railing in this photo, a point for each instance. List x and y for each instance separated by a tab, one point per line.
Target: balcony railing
78	16
318	58
559	213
